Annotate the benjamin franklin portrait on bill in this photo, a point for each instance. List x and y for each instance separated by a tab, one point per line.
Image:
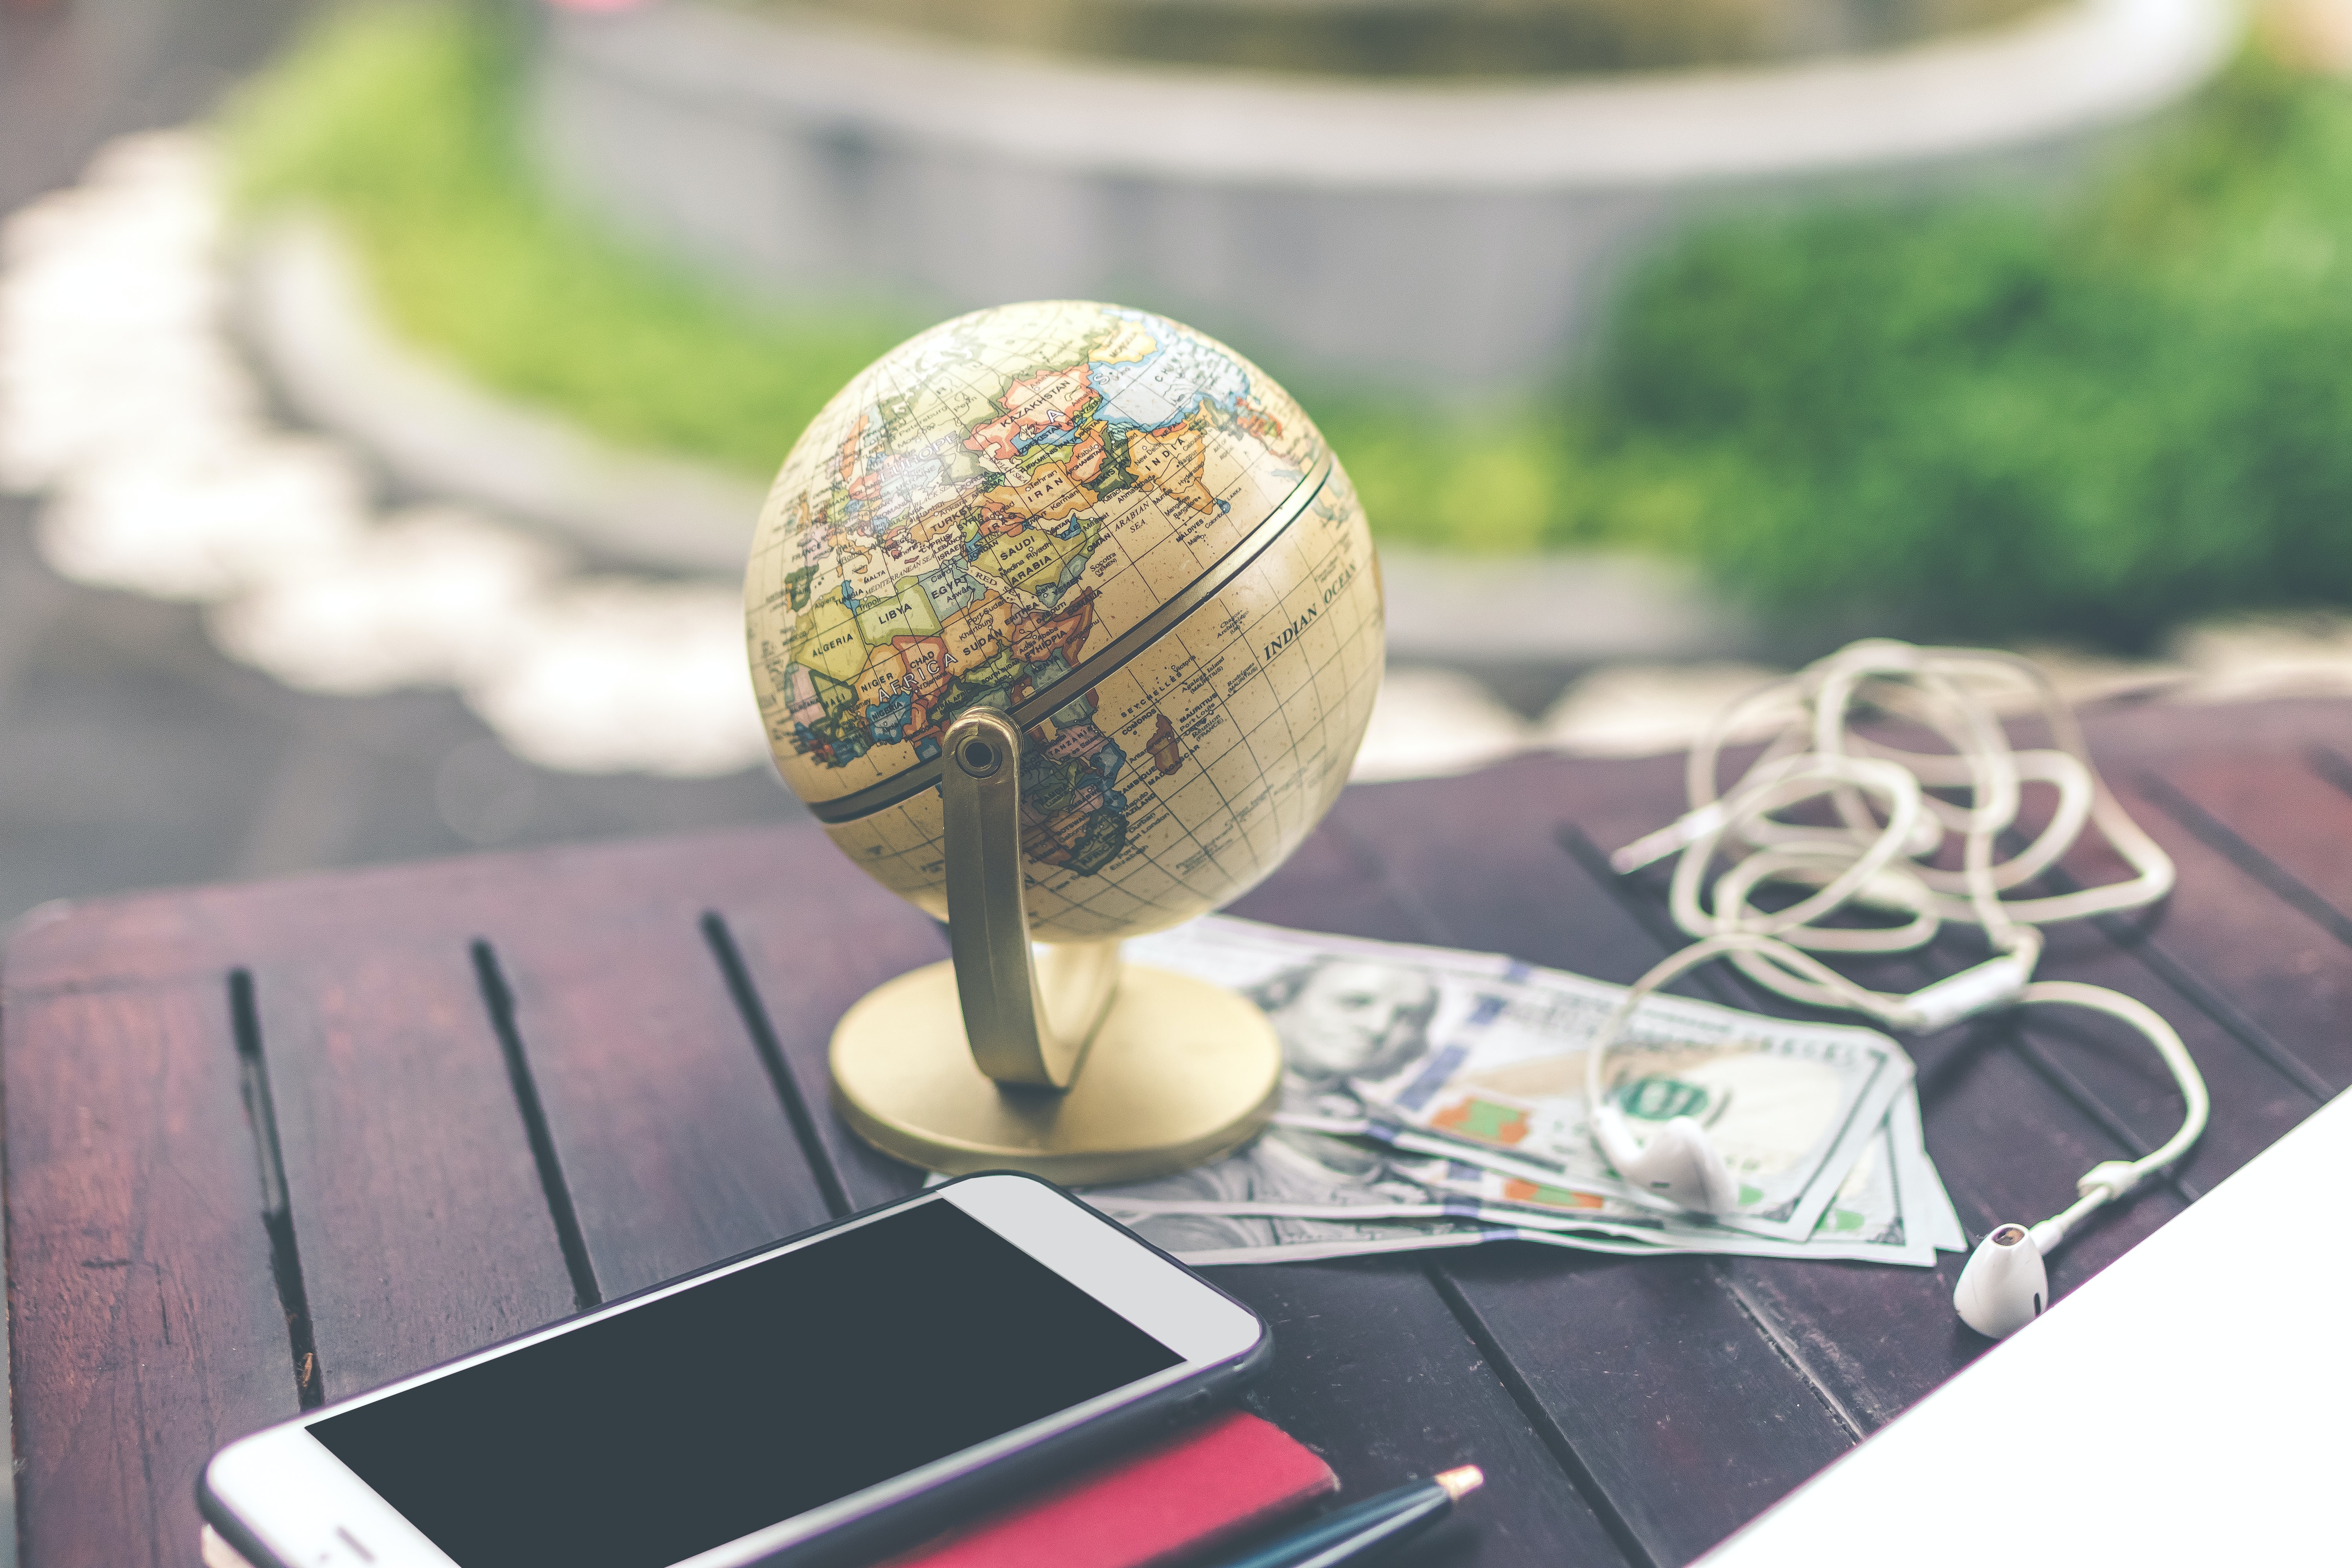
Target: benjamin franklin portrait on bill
1338	1018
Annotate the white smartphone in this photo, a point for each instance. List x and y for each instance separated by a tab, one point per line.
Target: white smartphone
820	1400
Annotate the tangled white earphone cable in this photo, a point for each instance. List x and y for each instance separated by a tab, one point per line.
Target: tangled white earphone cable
1885	859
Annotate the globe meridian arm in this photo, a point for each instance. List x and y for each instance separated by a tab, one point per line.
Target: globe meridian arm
1027	1029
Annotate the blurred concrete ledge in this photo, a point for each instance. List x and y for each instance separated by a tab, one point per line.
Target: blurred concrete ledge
305	312
1560	611
1438	235
307	316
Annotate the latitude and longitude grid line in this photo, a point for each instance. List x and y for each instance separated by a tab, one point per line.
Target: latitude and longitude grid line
1315	669
881	397
1249	472
1091	904
885	392
1341	644
1174	875
1207	774
1244	479
1245	738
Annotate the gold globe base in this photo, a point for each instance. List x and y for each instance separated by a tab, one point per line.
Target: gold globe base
1179	1073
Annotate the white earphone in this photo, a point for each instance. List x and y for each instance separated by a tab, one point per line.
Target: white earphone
1877	860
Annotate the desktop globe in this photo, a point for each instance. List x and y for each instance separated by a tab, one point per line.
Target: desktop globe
1117	530
1095	543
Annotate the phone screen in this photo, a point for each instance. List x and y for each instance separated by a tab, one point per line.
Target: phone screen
666	1429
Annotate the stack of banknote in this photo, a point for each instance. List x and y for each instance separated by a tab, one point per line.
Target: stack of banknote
1433	1098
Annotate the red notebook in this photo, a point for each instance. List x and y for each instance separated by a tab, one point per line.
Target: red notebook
1160	1505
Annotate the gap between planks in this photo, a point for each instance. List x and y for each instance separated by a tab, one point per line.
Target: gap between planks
2128	932
498	999
753	1011
1768	1329
1538	1416
277	1209
2226	841
498	1003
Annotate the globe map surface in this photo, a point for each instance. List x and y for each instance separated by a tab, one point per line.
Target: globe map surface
1118	530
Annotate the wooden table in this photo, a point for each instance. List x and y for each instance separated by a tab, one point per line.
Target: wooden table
273	1144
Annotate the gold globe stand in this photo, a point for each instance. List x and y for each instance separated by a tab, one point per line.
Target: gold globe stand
1060	1061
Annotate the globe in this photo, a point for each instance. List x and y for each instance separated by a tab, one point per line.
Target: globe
1121	534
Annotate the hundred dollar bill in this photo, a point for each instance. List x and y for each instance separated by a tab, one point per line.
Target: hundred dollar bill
1923	1185
1892	1207
1344	1008
1867	1220
1789	1106
1870	1220
1292	1196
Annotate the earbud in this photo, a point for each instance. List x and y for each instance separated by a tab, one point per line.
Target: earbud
1680	1164
2004	1285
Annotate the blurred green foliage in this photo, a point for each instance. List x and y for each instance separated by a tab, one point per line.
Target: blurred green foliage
2091	417
1986	415
400	120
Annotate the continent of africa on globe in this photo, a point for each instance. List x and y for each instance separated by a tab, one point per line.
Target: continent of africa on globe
1118	530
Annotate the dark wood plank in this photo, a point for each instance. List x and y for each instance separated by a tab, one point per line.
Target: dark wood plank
2173	957
1685	1416
2281	820
1630	1360
2218	957
1882	1338
145	1326
2108	1068
1481	862
424	1225
809	946
2281	979
1341	1361
1333	884
678	1146
2124	737
1374	1372
1328	885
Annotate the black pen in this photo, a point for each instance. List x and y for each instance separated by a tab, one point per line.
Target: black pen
1381	1521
